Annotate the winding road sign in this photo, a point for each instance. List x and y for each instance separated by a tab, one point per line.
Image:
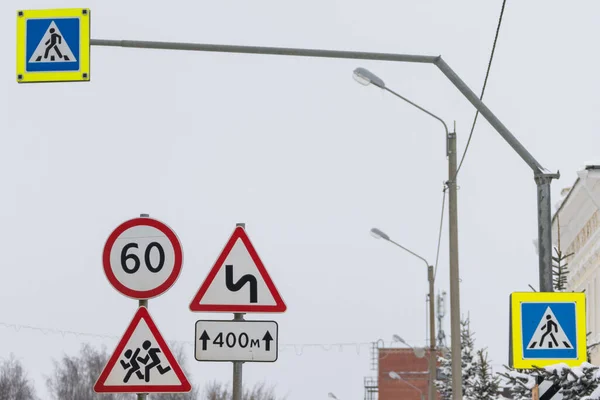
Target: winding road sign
248	341
142	258
238	282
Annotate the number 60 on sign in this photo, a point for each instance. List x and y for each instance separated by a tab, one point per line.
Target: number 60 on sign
142	258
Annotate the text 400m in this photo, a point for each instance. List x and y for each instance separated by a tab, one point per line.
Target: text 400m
231	340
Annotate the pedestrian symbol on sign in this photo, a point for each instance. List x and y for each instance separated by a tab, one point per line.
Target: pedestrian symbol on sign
549	334
52	47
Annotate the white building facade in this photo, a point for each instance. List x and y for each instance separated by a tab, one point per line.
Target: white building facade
576	231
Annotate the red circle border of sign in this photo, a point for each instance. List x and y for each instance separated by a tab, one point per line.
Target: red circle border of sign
166	285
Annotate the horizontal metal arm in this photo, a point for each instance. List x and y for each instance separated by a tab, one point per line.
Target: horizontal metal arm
278	51
420	108
491	118
354	55
410	251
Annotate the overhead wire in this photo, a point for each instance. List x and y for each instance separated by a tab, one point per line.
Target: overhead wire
437	256
297	347
487	74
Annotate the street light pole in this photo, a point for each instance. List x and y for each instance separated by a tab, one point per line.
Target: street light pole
430	277
366	77
455	343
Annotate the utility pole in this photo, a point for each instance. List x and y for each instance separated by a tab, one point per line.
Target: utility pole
432	350
454	274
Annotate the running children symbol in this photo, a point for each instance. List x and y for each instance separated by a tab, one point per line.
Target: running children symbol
549	334
134	361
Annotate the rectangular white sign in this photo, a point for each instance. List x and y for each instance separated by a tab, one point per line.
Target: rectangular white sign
250	341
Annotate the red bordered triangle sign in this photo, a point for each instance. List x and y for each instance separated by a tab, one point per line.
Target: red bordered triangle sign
142	362
238	282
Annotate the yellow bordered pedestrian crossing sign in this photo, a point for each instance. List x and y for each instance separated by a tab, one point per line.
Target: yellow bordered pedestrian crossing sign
547	328
53	45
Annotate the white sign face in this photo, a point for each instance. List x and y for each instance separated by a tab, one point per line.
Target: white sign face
142	258
142	362
239	281
250	341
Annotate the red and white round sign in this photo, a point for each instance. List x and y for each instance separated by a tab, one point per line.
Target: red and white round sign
142	258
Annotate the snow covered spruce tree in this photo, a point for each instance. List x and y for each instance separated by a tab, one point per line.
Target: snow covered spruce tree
519	382
468	362
576	382
485	383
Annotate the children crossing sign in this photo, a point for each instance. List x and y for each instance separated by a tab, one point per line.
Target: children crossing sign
547	328
53	45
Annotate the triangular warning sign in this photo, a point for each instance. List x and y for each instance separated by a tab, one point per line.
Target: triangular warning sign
549	335
53	47
142	362
238	282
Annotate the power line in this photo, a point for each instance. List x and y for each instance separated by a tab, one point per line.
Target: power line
297	347
487	74
437	256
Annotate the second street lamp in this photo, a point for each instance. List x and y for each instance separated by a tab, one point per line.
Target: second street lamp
418	351
396	376
430	278
366	77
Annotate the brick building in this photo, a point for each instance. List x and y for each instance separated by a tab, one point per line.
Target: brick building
404	362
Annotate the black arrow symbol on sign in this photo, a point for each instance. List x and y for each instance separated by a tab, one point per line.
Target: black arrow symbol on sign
267	338
234	287
204	339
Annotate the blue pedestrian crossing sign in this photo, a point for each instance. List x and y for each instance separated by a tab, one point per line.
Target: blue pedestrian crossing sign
547	328
53	45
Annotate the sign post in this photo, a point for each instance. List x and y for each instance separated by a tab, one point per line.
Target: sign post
237	385
239	283
142	259
143	303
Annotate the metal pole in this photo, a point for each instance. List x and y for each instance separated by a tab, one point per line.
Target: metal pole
432	351
237	369
275	51
454	274
544	232
545	245
237	386
143	303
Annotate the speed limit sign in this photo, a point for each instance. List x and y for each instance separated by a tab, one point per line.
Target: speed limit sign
142	258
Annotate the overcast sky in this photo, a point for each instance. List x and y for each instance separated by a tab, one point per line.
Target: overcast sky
301	153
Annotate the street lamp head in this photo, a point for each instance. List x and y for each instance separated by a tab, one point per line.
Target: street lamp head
379	234
419	352
331	395
366	77
397	338
394	375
